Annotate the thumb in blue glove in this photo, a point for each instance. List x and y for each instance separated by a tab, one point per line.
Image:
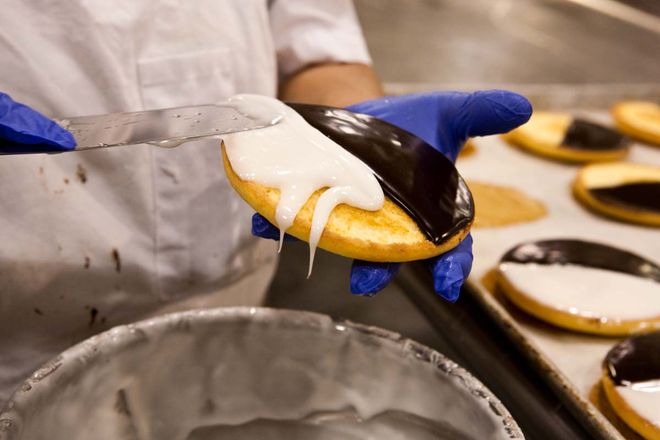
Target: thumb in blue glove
24	130
444	120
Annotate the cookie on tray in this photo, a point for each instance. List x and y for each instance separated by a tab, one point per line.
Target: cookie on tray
561	136
582	286
638	119
623	190
631	381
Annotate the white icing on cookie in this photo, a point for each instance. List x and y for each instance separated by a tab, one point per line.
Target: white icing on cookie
585	291
297	159
645	401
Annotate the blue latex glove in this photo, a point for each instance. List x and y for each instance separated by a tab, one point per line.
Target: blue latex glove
23	130
445	120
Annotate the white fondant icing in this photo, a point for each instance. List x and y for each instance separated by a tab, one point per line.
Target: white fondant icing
586	291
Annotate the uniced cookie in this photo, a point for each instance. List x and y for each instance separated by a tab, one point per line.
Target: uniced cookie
469	148
582	286
624	191
562	137
497	205
631	381
638	119
427	208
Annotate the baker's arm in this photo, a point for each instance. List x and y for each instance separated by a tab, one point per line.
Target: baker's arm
334	84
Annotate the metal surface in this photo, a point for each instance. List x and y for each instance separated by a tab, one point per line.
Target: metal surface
163	127
217	373
634	14
480	42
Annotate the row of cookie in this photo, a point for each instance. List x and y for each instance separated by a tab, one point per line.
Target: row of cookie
585	287
622	190
563	137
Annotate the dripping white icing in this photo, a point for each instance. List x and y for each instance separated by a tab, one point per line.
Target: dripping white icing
297	159
586	291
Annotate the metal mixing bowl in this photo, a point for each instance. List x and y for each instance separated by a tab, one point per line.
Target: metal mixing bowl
238	373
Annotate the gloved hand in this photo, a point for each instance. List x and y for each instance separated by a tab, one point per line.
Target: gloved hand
23	130
445	120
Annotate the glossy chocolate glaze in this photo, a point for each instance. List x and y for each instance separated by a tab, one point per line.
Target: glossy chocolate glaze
585	135
642	196
635	360
418	178
583	253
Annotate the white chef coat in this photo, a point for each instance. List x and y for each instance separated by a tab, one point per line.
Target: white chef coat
91	240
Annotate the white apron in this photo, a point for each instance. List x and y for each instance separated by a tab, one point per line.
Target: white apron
91	240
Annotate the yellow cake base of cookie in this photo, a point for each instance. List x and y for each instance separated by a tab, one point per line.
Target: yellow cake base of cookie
570	321
592	177
598	398
639	120
543	135
638	423
386	235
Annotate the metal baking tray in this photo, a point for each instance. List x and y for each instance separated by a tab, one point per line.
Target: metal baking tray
570	362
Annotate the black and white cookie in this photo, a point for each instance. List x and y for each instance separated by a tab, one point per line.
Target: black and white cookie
563	137
623	190
631	380
583	286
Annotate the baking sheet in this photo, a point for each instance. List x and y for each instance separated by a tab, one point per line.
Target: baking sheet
570	361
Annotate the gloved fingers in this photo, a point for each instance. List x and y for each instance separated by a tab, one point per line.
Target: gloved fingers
490	112
450	270
446	119
265	229
368	278
373	107
21	125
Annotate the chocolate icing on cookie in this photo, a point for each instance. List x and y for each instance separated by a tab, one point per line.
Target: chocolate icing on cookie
635	360
644	196
414	175
585	135
583	253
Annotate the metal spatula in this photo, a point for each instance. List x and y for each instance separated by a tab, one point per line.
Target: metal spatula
164	127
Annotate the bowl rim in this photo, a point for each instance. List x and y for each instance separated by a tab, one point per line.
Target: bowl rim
122	335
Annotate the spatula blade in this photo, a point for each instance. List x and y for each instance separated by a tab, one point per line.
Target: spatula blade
163	127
